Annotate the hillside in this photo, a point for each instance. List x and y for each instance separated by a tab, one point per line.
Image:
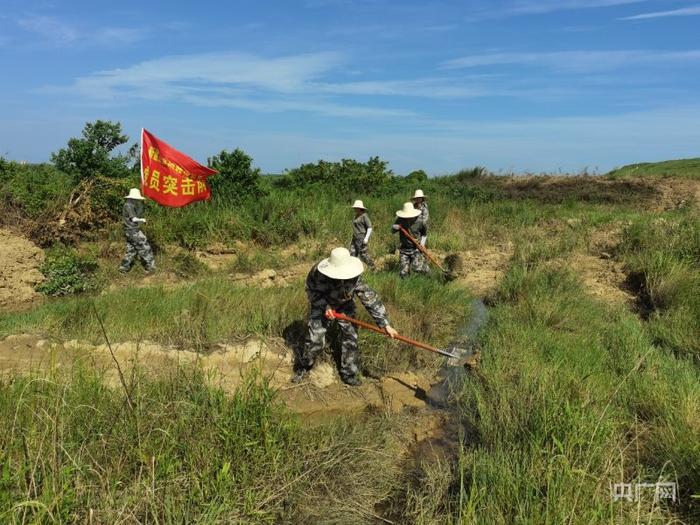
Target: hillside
685	168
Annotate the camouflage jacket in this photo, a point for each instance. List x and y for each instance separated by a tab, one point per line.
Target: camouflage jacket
360	225
416	227
132	208
323	291
424	213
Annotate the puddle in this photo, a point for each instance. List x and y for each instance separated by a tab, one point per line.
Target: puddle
465	346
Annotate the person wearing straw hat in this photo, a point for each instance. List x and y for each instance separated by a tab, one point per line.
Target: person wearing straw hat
419	203
333	284
361	232
410	257
136	242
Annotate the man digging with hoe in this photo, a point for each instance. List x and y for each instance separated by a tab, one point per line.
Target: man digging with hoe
332	285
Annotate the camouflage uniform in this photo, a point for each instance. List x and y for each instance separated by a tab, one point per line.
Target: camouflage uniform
410	257
136	241
322	291
358	248
424	213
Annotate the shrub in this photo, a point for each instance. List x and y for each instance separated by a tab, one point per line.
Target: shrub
417	177
67	273
186	265
237	178
370	177
35	188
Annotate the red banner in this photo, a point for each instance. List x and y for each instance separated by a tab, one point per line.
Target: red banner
169	177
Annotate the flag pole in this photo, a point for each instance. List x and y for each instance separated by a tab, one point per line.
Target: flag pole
141	159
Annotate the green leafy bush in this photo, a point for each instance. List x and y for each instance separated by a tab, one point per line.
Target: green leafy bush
237	178
67	273
371	177
416	177
35	188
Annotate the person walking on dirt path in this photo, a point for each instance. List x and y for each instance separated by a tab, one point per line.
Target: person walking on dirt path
361	232
333	284
419	203
410	257
136	241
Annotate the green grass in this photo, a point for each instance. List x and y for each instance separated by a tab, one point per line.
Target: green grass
575	397
573	394
686	168
73	451
198	315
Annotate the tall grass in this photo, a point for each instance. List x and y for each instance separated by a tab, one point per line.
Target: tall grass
572	398
73	451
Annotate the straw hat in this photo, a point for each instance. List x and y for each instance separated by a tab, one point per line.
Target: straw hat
408	211
341	265
359	204
135	194
418	195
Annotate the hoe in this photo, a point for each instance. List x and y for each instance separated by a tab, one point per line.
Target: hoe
421	248
452	353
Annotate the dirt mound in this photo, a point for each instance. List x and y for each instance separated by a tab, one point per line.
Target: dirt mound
323	394
655	193
20	260
676	193
584	188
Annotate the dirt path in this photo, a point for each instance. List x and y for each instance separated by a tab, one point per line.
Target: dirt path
20	260
321	396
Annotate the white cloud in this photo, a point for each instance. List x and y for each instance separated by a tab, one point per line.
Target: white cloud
49	28
234	80
575	60
686	11
537	7
184	73
57	32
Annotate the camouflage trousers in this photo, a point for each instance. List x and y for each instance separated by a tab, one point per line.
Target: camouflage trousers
137	247
359	249
316	339
412	260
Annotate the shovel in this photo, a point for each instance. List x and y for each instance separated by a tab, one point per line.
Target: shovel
425	252
357	322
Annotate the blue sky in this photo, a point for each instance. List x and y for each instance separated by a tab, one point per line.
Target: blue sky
524	85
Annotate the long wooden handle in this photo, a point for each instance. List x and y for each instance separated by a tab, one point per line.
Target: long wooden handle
422	248
374	328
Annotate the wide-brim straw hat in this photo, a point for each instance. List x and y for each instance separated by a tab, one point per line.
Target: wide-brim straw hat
418	195
135	194
359	205
408	211
341	265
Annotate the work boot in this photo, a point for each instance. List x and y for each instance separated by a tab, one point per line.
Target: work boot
352	380
300	375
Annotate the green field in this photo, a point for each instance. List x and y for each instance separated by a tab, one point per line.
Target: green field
589	373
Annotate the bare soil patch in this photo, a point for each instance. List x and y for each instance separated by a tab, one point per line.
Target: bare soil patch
482	269
322	395
20	260
603	278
